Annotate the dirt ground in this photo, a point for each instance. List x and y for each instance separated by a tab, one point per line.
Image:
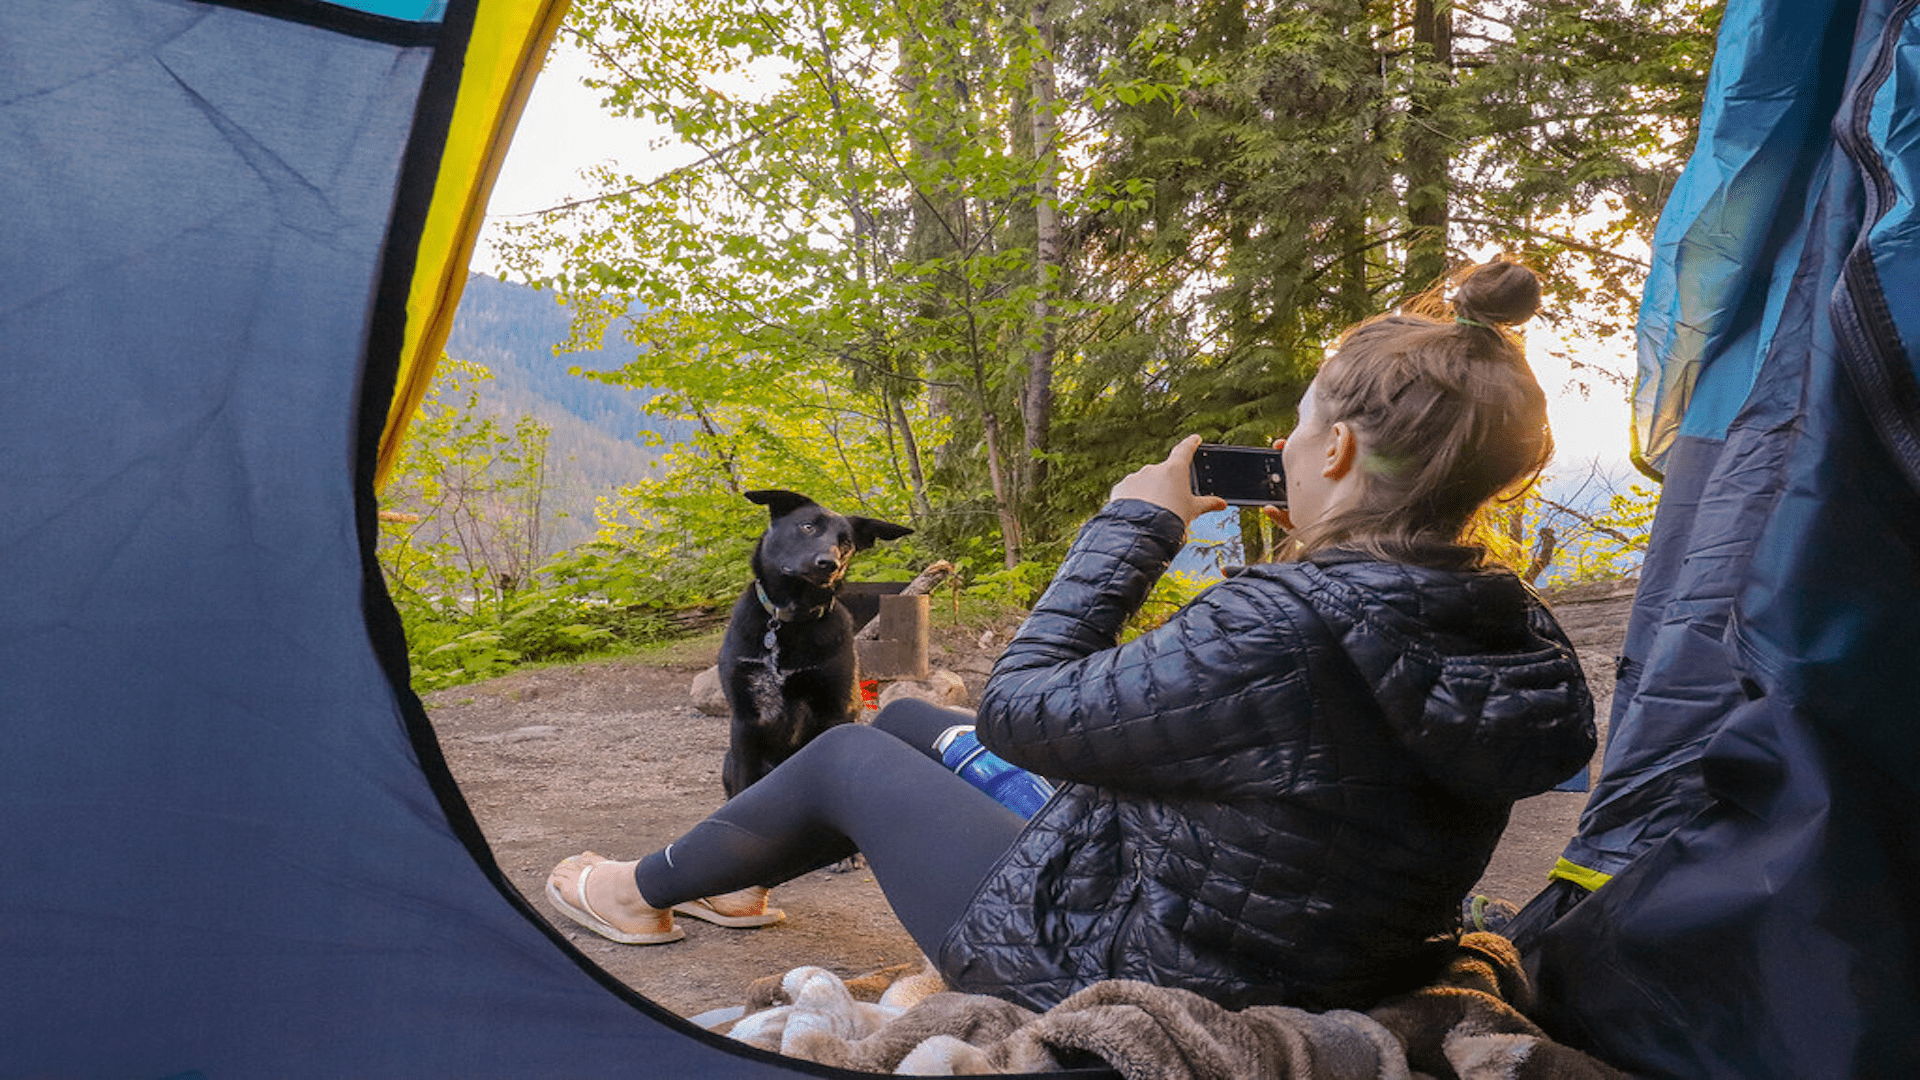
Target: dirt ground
612	756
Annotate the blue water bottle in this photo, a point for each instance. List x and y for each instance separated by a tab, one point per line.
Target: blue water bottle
1011	786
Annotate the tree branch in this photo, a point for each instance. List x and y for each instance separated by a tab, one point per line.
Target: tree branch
1564	241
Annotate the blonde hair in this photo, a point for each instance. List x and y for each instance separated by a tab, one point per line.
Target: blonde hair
1447	413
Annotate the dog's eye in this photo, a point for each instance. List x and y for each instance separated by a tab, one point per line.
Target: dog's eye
808	526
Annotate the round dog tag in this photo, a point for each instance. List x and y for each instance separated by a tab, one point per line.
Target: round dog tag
768	641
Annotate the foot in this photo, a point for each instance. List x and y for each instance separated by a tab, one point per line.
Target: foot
600	894
741	908
749	901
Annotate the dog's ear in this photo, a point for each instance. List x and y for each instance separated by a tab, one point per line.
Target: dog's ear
868	530
781	503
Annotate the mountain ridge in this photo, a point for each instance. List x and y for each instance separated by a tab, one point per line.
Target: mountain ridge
600	434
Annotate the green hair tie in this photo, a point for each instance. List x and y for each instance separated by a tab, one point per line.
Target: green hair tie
1464	321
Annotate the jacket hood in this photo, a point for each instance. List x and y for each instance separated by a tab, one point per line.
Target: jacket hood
1472	673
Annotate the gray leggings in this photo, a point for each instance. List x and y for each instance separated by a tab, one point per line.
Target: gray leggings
929	836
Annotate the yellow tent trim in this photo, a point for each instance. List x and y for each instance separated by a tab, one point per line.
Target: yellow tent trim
1590	880
509	42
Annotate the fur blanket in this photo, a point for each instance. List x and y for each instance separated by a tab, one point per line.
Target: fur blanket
1469	1025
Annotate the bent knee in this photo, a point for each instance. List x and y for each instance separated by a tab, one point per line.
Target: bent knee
851	742
853	750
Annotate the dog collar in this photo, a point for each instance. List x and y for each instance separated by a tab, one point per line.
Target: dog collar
791	612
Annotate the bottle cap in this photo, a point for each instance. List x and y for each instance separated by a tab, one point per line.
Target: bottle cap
946	737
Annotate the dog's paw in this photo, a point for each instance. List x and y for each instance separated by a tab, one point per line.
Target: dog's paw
853	862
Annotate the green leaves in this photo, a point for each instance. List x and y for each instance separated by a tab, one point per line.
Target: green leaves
1577	123
472	491
963	264
460	545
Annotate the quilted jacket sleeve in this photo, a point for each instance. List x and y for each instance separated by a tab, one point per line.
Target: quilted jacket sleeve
1199	705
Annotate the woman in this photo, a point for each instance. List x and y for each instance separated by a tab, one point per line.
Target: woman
1279	796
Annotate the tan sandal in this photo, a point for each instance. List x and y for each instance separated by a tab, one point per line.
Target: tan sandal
706	908
589	918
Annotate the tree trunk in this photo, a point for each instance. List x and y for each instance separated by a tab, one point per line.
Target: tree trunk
1002	498
1426	148
867	265
1351	297
1036	400
936	218
1253	536
910	449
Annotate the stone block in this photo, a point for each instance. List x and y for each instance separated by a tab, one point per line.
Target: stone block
900	650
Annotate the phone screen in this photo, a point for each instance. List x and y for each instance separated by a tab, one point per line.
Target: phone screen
1242	475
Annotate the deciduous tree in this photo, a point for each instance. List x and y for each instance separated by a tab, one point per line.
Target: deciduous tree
965	261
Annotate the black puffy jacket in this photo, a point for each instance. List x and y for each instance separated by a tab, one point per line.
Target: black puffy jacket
1281	795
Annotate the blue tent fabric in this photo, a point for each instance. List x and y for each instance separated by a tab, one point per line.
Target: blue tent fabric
230	847
1754	823
1731	232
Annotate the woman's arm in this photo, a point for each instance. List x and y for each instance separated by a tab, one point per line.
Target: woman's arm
1190	707
1109	571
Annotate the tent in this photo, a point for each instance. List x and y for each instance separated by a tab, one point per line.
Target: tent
1738	900
230	845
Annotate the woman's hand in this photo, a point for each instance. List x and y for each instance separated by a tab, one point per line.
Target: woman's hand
1169	484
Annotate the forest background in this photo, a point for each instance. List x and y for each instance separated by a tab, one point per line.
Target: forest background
961	263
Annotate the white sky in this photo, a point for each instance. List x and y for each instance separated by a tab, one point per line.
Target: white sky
564	131
1587	427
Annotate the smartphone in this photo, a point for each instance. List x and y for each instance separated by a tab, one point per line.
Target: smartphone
1242	475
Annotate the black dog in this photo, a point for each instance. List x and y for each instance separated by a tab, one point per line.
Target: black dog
787	664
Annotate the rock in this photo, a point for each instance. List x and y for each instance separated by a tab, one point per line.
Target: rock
707	696
942	687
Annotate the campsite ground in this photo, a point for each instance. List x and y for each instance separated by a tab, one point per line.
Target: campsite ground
612	756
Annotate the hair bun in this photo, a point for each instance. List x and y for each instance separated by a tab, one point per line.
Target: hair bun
1499	293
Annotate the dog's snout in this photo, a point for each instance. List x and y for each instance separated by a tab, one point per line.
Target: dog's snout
826	562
